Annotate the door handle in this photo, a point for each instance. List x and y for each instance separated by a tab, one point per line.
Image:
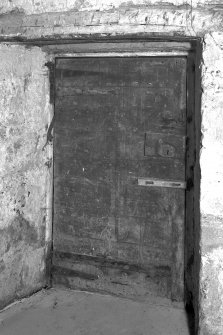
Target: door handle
153	182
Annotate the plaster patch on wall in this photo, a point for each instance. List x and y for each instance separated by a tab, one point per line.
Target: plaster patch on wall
25	179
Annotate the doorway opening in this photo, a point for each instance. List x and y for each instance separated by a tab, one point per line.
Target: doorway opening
126	176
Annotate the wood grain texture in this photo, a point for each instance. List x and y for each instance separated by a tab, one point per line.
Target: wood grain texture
118	119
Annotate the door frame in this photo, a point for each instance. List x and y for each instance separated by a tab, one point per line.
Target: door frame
145	46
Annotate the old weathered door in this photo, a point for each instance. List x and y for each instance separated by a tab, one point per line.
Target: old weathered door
119	170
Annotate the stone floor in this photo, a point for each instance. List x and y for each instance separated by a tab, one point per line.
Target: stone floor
63	312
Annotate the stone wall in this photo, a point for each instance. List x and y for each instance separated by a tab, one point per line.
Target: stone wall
24	170
211	160
21	20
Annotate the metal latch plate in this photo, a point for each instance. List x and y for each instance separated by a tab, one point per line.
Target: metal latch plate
152	182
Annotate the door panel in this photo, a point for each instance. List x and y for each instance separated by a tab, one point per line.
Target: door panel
117	120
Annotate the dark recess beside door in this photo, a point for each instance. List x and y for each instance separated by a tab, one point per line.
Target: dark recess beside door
120	127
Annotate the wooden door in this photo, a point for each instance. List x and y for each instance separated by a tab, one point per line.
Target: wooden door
119	142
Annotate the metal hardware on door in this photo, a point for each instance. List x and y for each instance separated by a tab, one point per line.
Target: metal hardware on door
152	182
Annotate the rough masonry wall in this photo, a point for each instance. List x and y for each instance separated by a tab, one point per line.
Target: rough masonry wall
211	160
201	18
67	18
25	182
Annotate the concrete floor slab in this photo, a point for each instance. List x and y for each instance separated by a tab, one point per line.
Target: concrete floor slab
65	312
